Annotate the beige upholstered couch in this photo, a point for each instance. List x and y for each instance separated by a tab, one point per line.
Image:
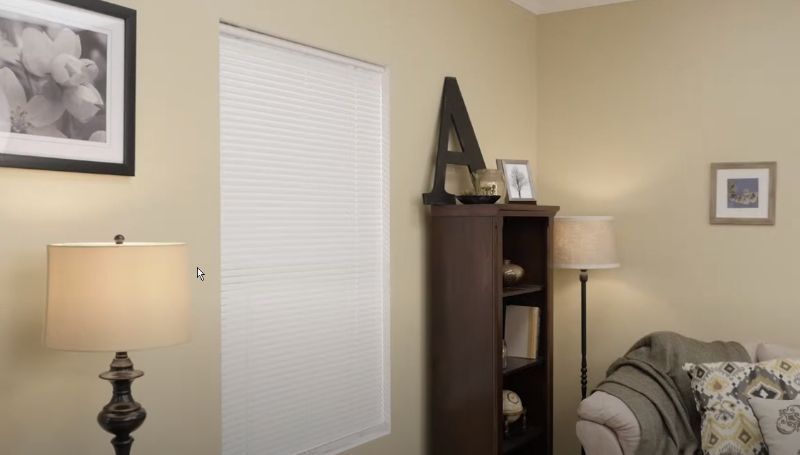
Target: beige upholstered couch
607	427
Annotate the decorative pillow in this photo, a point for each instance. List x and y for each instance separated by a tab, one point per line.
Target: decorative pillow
728	425
722	392
780	424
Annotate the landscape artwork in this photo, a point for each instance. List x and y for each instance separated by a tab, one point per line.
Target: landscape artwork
743	193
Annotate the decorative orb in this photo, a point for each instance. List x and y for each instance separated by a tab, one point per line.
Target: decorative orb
512	406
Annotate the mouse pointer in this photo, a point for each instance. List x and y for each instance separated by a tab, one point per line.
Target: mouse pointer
201	275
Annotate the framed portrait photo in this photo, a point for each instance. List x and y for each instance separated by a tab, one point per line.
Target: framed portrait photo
67	86
743	193
519	184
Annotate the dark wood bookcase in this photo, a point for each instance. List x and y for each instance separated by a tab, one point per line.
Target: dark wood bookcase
467	246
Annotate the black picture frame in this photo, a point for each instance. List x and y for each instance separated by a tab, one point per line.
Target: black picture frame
128	165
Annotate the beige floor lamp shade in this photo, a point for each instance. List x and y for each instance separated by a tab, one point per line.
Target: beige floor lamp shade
117	297
584	243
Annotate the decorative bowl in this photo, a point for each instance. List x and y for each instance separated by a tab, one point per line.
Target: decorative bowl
473	199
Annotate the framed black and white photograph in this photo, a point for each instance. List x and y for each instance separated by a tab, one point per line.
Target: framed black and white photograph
519	184
67	86
743	193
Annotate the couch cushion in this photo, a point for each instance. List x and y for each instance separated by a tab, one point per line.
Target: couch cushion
605	409
779	421
768	351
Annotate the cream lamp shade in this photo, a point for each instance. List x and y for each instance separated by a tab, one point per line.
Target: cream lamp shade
110	297
584	243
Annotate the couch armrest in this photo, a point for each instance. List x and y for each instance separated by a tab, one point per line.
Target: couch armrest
597	439
609	411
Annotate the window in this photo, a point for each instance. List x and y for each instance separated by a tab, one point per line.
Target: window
305	248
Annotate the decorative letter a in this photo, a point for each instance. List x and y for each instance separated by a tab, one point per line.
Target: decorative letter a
453	114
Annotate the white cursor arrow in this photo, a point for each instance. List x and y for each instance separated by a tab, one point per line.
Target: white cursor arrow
201	275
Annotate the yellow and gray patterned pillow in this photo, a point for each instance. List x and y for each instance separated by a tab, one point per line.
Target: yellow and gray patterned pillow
722	392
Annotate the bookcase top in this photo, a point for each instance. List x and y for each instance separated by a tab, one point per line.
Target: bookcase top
495	210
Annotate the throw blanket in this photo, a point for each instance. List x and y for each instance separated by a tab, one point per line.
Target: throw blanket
650	381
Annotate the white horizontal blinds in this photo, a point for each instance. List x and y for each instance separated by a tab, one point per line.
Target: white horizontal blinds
305	247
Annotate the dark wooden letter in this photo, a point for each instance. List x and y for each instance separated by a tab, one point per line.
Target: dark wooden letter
453	114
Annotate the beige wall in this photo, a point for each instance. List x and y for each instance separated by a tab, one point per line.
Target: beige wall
49	399
636	100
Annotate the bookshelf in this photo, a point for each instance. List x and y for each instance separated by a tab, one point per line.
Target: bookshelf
467	246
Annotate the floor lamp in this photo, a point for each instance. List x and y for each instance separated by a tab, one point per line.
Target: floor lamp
584	243
117	297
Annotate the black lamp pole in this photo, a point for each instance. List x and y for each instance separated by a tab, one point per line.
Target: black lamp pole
584	278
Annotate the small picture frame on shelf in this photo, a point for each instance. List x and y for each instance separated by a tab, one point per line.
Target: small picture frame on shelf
519	183
743	193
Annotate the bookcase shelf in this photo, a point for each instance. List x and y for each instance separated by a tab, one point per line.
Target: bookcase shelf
517	364
467	247
514	443
522	289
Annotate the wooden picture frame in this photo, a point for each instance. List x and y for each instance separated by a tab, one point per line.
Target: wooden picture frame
71	95
743	193
519	183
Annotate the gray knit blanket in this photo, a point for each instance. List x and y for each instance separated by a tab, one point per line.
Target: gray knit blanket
650	381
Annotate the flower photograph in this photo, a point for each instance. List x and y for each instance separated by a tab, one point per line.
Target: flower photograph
67	86
52	80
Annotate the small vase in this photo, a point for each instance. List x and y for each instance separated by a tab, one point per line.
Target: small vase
512	273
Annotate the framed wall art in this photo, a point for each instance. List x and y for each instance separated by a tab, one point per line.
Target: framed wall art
743	193
67	86
519	184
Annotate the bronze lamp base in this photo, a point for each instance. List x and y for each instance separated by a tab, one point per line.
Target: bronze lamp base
122	415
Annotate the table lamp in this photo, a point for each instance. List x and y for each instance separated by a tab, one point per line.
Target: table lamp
584	243
117	297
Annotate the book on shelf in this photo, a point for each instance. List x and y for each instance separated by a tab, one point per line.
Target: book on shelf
522	331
